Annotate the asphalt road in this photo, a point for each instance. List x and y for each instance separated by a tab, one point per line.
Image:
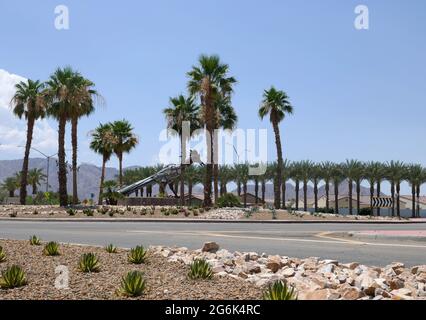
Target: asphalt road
294	240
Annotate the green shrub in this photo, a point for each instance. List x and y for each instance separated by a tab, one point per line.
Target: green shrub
13	277
144	211
103	210
88	212
365	212
195	212
71	212
2	255
111	248
35	241
228	200
200	269
279	291
89	262
137	255
14	214
111	213
133	284
128	208
201	210
51	249
166	213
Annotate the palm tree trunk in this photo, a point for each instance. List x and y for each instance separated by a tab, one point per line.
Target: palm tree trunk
62	172
74	125
305	195
24	172
336	197
296	188
393	198
398	206
34	188
190	192
256	190
413	195
11	193
315	195
418	200
263	191
350	196
245	194
371	197
239	188
120	168
378	195
210	157
327	195
283	187
182	174
358	197
216	181
278	174
101	187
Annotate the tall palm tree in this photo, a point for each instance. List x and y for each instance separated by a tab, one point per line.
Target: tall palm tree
276	104
306	172
337	178
210	82
353	170
415	178
11	184
125	141
29	103
61	89
296	175
326	172
315	176
269	175
82	104
35	177
372	172
182	110
286	175
225	176
103	141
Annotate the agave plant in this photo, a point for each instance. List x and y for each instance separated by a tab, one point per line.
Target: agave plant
13	277
279	291
71	212
133	284
51	249
200	269
2	255
111	248
35	241
89	262
137	255
88	212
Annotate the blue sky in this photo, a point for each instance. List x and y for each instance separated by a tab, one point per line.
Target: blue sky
357	94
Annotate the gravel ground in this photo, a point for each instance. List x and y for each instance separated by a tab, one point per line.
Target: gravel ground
165	280
17	211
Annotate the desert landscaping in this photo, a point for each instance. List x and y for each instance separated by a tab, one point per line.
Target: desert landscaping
166	274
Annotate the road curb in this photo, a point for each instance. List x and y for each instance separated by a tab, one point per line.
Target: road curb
112	220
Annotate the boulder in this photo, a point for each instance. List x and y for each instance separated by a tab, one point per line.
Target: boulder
251	267
288	272
395	284
352	293
350	266
322	294
274	263
210	247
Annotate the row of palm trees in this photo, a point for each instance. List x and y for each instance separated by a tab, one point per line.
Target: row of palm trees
302	173
35	178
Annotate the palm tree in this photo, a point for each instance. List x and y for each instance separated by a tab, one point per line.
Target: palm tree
269	175
125	140
415	178
315	176
192	177
353	170
81	105
375	173
182	110
243	177
326	172
286	175
61	89
210	82
29	103
35	177
305	174
337	177
103	141
276	104
421	181
11	184
225	176
296	175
